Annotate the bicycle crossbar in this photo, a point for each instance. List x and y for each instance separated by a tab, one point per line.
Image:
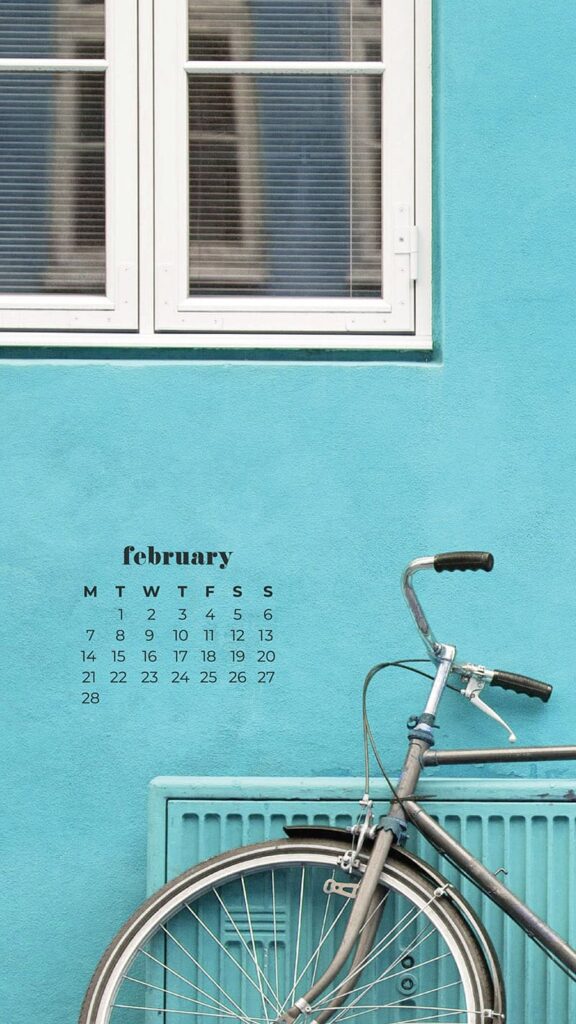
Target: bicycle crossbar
435	758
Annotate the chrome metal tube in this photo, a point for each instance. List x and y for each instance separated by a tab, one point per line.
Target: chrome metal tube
358	914
414	604
444	661
496	755
367	886
363	948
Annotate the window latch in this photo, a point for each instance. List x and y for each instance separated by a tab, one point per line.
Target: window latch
406	238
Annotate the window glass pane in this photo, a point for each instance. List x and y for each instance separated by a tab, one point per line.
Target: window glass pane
89	199
285	191
52	190
50	28
285	29
215	192
212	104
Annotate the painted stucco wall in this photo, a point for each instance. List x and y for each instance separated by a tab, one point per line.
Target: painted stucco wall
324	478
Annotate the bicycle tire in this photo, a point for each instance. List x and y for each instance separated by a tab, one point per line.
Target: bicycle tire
191	906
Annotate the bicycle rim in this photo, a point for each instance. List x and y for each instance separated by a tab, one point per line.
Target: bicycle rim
241	937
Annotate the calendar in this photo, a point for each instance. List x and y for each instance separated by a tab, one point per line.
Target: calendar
175	619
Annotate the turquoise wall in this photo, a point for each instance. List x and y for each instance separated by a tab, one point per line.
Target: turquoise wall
324	478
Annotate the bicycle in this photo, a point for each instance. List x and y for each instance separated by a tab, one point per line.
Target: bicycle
332	924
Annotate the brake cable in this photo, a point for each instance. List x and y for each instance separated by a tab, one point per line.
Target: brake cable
369	741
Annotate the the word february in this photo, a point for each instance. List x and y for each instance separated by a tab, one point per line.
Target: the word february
151	556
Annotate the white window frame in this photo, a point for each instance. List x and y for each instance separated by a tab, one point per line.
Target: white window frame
341	318
118	308
161	323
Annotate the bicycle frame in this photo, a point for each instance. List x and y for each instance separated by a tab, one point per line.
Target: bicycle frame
404	808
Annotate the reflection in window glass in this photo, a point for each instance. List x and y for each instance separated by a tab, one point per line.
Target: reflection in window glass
287	29
49	28
52	185
285	170
52	176
285	191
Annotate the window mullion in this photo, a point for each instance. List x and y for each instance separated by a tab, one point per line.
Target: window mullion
51	64
288	67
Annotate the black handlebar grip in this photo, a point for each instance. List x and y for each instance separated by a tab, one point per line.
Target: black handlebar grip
463	560
522	684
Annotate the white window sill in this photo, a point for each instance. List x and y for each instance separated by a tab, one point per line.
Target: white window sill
281	342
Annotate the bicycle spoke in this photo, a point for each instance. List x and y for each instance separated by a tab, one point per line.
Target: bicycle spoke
445	1012
204	971
384	976
315	953
375	911
277	991
321	940
390	937
165	967
384	943
258	970
228	953
441	1013
361	989
363	1008
299	929
242	939
187	1013
446	1017
188	999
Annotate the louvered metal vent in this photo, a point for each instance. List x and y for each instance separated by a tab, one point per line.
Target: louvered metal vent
527	828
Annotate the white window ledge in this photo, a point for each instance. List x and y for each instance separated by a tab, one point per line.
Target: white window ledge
55	339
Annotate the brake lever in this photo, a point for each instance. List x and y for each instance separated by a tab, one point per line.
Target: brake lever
472	693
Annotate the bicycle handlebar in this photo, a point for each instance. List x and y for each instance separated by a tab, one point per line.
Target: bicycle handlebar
521	684
447	562
463	560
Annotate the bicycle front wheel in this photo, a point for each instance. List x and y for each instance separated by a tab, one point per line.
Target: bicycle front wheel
241	937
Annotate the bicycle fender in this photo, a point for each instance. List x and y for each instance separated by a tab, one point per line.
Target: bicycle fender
342	835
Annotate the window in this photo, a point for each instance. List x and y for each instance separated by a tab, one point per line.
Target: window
68	165
278	153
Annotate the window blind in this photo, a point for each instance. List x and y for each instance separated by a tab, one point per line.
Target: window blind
52	159
287	29
48	28
284	131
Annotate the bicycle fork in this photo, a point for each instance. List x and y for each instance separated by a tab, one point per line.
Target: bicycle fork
391	827
369	901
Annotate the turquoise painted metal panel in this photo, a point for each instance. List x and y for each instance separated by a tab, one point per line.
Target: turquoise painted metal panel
525	828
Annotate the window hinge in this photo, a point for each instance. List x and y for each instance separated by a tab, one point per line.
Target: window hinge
406	238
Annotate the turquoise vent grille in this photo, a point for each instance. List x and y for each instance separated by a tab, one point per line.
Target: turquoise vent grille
527	828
